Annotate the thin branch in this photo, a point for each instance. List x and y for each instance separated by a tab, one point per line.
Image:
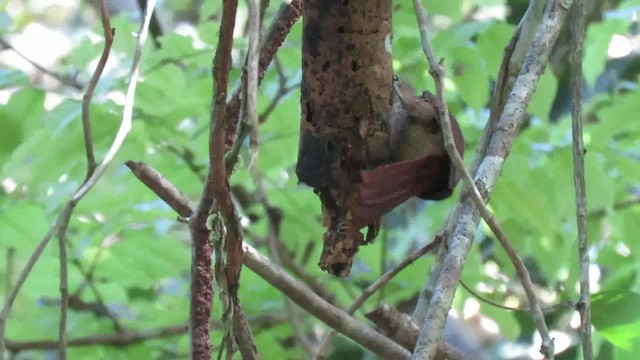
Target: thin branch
375	286
318	307
287	15
64	285
437	72
10	258
65	80
149	175
97	294
260	322
619	206
91	165
109	33
584	304
201	293
307	299
63	218
498	150
400	328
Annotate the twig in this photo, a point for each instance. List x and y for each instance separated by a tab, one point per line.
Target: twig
91	165
400	328
584	304
64	285
233	242
437	72
88	281
64	216
109	33
65	80
621	205
371	289
489	169
128	338
283	90
10	258
149	175
287	15
307	299
336	318
214	189
251	88
564	304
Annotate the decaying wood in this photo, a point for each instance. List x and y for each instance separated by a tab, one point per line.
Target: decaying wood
346	101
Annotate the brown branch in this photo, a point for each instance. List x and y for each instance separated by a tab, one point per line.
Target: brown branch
128	338
109	33
201	271
584	304
150	176
308	300
376	285
318	307
401	329
286	16
91	166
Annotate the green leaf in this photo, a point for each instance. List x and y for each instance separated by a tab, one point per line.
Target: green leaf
616	315
544	95
470	76
599	184
452	8
596	45
492	42
23	110
12	77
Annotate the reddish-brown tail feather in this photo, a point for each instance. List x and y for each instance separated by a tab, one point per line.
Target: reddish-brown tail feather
388	186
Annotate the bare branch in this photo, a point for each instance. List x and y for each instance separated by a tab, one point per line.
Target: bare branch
318	307
65	80
401	329
584	304
201	271
260	322
489	169
376	285
307	299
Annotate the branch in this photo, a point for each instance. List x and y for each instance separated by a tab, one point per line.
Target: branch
133	337
62	221
65	80
201	272
307	299
287	15
375	286
584	304
109	33
488	173
437	72
318	307
401	329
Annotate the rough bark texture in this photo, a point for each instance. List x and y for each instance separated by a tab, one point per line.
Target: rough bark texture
346	100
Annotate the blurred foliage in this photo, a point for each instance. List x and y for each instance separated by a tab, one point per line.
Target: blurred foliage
141	254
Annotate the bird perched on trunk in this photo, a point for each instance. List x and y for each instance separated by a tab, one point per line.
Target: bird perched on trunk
420	165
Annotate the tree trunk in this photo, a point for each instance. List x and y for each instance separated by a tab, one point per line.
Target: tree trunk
346	101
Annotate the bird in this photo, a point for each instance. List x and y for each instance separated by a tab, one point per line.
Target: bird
419	165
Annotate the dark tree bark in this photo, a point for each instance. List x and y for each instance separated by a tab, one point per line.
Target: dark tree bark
346	100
